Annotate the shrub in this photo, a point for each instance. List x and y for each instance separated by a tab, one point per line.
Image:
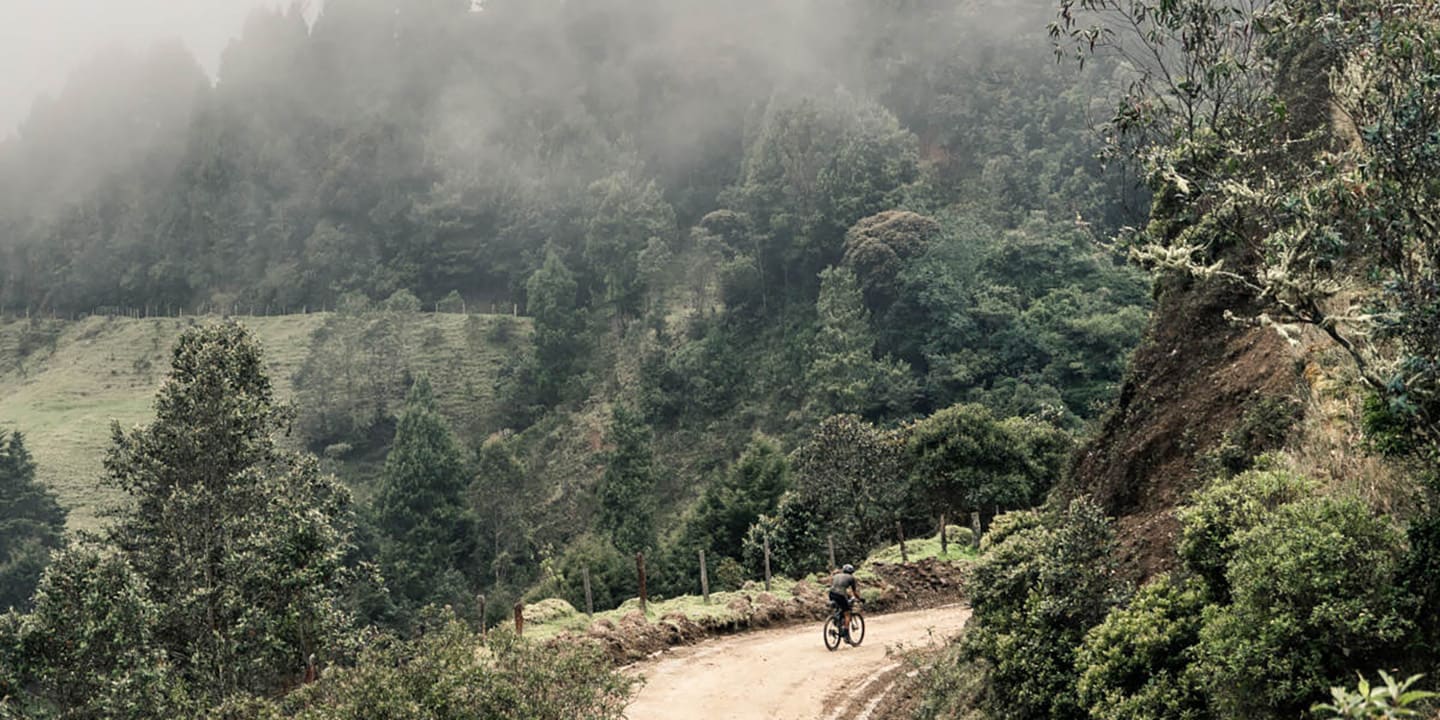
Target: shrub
612	574
447	675
1391	700
1316	594
1035	593
1222	511
1263	427
1136	665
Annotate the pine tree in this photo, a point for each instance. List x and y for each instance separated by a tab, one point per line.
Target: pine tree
421	506
498	495
31	523
627	491
239	544
751	488
845	377
551	301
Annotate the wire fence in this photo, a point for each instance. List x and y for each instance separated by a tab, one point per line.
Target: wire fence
11	314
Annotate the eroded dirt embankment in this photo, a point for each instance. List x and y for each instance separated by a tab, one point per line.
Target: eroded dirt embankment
927	583
1191	380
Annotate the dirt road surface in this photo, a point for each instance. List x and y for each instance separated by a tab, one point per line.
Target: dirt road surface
787	674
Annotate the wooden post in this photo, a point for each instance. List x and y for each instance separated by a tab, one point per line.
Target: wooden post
640	570
589	601
944	537
704	579
480	600
900	530
767	563
830	540
519	618
975	530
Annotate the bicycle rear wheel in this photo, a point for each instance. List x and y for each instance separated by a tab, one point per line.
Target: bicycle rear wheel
857	629
832	634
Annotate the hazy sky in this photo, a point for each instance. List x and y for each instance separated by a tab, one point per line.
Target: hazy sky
42	40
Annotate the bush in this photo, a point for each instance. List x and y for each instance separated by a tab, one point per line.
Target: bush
612	575
90	646
1316	594
1036	591
1136	665
503	330
1263	427
447	675
451	303
1391	700
1222	511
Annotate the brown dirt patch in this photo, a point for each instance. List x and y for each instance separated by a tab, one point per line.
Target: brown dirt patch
1189	382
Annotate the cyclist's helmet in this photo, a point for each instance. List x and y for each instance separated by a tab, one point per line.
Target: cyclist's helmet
848	568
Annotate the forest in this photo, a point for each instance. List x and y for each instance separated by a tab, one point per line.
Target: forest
761	276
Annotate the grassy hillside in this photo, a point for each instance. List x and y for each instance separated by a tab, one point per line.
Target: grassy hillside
63	383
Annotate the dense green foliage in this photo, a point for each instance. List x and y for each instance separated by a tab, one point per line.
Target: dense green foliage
421	509
1139	664
1313	591
239	543
1217	516
1041	584
1317	593
966	460
90	647
758	248
849	484
225	583
627	490
446	675
31	523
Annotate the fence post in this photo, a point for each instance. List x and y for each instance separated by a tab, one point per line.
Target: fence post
589	602
900	530
944	537
830	540
767	563
640	570
519	618
704	579
975	530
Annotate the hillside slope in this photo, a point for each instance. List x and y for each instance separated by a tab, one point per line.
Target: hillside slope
63	383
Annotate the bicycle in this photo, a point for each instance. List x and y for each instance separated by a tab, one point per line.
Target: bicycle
835	630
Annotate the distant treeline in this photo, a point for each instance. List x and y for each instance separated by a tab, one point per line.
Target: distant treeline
424	146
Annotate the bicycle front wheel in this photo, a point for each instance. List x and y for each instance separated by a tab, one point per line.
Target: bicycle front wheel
832	634
857	629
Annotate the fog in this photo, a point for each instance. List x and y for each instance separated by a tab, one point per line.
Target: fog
373	145
43	41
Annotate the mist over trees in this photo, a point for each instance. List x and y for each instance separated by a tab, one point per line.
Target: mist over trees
424	146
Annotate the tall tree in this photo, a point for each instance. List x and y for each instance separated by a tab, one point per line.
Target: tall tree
90	648
421	506
551	300
844	376
627	490
501	498
31	523
967	460
239	543
729	506
625	217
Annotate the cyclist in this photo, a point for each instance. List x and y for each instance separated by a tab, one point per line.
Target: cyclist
842	586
